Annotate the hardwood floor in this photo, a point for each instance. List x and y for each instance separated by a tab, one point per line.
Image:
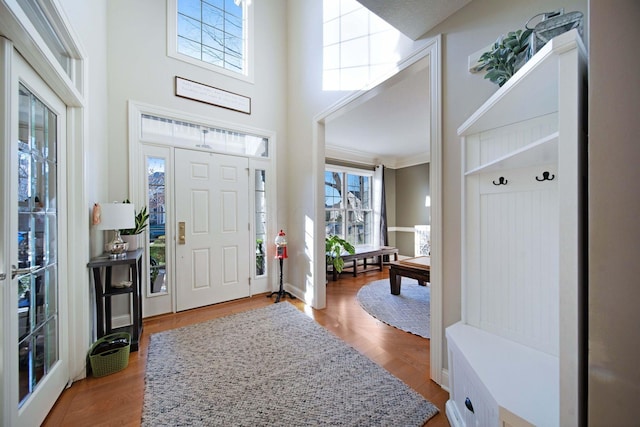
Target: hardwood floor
116	399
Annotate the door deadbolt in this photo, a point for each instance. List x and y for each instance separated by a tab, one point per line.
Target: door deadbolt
181	228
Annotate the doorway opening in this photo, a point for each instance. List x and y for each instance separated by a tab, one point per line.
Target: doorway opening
430	54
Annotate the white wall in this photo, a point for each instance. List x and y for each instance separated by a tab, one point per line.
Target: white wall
89	23
307	100
139	69
614	203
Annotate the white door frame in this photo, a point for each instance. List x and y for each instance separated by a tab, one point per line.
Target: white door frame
165	303
70	89
432	51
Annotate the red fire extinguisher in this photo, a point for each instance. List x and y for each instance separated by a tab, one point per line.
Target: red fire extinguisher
281	245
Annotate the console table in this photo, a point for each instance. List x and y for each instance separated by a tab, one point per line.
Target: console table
106	289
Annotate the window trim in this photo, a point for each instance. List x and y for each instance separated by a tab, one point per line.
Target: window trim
248	25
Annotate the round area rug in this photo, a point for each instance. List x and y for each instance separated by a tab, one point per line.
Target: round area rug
408	311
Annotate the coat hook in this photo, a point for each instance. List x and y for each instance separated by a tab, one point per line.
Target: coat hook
501	181
545	177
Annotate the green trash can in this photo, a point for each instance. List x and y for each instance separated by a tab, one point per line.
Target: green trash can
110	354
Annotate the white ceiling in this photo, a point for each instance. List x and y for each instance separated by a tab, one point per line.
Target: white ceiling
414	18
391	124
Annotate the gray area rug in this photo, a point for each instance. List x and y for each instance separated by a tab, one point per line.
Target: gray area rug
408	311
272	366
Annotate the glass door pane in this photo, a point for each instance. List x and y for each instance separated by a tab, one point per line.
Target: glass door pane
157	224
261	221
37	272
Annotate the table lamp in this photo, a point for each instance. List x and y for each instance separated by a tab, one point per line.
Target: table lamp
116	216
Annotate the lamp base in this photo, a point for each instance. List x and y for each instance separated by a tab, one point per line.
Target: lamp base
117	247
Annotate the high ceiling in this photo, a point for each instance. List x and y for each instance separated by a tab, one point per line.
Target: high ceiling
392	125
414	18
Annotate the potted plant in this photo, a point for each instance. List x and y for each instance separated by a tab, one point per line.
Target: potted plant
507	55
259	257
335	246
130	235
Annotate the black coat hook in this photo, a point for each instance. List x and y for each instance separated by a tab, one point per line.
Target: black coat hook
545	177
501	181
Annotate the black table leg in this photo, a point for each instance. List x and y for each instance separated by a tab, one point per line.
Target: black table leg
281	292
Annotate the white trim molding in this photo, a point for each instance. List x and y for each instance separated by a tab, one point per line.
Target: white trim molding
431	51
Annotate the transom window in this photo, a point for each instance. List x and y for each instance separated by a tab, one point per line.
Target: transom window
178	133
210	33
348	205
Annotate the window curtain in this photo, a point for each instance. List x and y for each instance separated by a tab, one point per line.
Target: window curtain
380	235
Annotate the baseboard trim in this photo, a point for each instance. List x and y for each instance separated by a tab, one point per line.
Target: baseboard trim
121	321
445	380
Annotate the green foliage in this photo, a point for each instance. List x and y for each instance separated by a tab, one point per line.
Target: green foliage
141	222
506	57
335	246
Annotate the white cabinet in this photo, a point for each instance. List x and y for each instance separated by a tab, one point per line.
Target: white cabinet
517	346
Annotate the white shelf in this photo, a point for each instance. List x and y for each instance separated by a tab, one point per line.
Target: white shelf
525	95
542	151
520	330
520	379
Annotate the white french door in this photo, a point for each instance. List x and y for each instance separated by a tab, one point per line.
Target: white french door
212	228
33	328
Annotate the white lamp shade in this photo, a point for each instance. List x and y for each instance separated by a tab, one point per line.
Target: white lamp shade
117	216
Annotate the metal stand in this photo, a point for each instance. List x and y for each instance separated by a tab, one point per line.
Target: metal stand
281	293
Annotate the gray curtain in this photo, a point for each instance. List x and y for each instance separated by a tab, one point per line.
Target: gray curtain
384	236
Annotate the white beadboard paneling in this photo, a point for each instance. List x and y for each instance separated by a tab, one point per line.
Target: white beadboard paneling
497	143
517	271
488	146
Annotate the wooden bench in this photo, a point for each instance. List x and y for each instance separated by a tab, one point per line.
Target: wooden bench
364	253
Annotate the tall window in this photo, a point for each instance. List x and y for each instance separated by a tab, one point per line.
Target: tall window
211	33
348	206
358	46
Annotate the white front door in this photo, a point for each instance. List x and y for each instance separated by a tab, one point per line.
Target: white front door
212	228
33	329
